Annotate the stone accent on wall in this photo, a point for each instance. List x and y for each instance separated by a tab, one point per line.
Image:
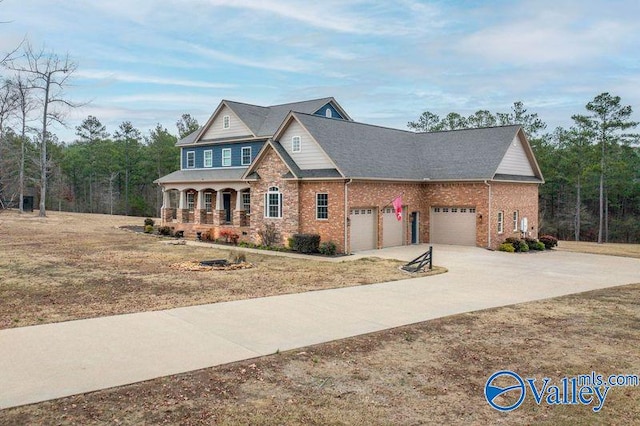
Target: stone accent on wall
271	171
185	216
166	215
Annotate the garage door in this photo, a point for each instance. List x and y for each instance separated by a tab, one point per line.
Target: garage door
453	225
392	228
364	225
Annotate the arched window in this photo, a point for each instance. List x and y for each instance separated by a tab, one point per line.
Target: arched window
273	203
328	113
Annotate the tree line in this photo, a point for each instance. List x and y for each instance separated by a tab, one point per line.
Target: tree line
98	172
591	169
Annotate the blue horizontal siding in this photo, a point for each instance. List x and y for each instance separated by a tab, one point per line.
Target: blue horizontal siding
236	153
334	113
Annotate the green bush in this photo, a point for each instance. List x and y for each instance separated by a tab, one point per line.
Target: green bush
539	246
149	222
305	243
148	229
516	243
328	248
524	247
508	247
164	230
549	241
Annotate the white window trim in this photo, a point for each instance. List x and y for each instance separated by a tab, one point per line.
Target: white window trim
242	162
246	206
224	151
208	204
293	144
267	210
226	122
317	206
193	155
191	205
328	113
500	222
516	215
210	153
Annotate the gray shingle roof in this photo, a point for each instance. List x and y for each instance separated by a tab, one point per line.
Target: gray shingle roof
184	176
264	121
366	151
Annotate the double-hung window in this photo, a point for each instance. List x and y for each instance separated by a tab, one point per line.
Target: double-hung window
208	196
191	159
246	201
296	144
208	158
273	203
226	122
191	200
515	221
246	155
226	157
322	206
500	222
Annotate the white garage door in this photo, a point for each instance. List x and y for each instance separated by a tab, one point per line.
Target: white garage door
453	225
364	225
392	228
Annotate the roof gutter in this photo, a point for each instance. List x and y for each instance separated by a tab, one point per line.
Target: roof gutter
489	217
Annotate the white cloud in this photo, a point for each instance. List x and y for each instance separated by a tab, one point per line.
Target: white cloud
120	76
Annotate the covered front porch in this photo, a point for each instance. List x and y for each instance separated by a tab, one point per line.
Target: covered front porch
205	207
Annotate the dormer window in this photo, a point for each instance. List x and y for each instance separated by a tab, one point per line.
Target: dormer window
296	144
226	122
328	113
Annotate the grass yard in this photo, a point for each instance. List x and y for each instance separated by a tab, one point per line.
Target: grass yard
428	373
71	266
613	249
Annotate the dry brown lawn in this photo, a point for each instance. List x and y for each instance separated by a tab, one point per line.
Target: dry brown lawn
71	266
428	373
613	249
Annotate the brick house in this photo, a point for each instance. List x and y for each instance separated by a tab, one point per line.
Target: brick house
306	167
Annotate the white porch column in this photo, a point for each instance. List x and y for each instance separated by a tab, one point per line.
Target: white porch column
239	205
166	203
219	200
182	200
200	200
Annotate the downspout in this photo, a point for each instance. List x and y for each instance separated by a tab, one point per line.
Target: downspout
489	217
346	213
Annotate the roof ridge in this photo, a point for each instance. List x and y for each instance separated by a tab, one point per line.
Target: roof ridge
354	122
299	102
469	128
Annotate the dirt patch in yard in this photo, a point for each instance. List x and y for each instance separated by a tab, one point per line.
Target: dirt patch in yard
71	266
428	373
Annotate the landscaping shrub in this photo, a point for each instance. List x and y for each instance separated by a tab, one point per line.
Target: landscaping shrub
229	236
539	246
508	247
516	243
305	243
524	247
549	241
149	222
268	235
328	248
148	229
237	256
164	230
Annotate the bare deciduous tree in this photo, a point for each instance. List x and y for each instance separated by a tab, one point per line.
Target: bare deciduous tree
48	73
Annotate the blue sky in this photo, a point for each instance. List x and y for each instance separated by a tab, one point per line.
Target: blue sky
148	61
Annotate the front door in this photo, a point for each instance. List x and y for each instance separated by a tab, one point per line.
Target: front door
226	205
415	226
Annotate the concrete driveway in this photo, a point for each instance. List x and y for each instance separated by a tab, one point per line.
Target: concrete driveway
55	360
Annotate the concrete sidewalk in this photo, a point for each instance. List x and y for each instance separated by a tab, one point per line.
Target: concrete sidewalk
55	360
